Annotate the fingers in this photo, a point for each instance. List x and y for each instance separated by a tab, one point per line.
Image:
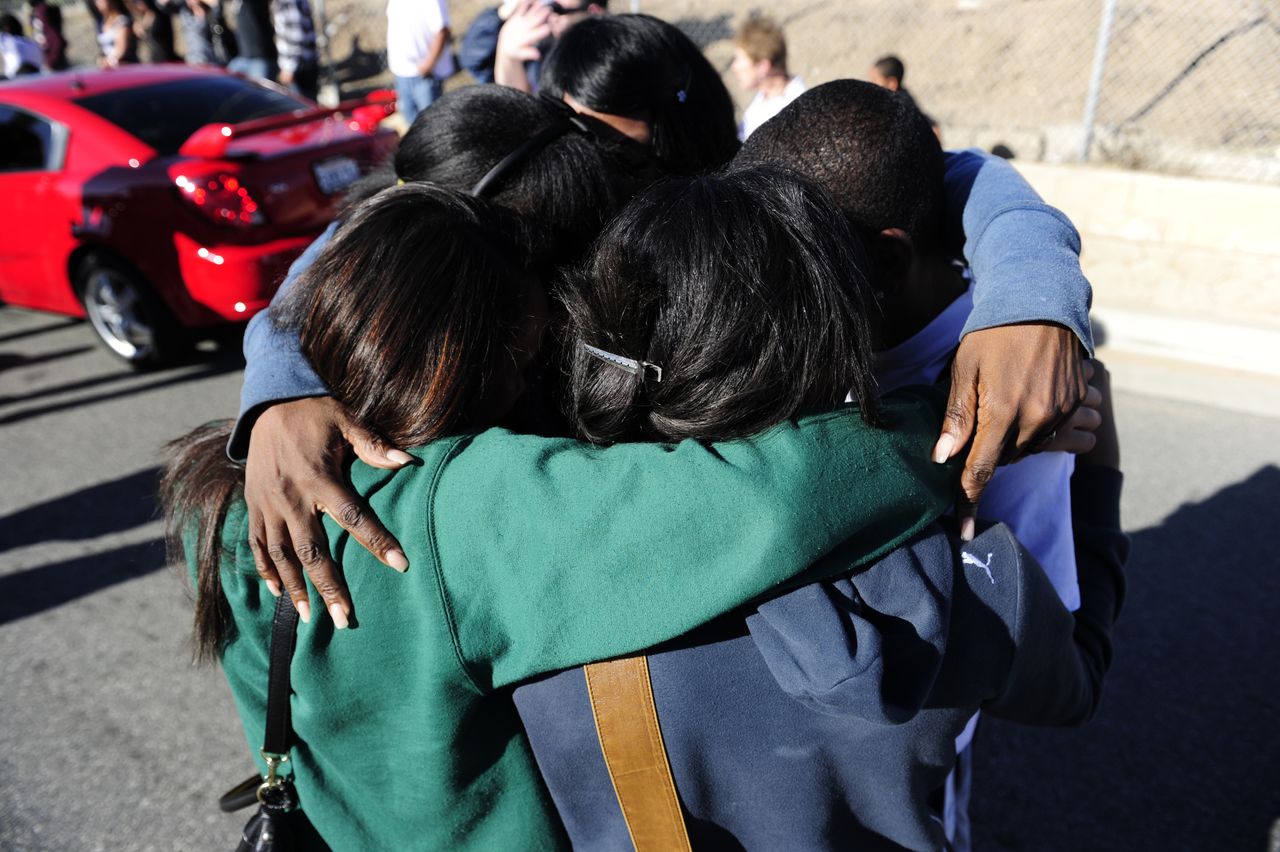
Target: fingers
310	549
530	52
984	456
372	450
351	513
277	548
1076	435
258	546
961	416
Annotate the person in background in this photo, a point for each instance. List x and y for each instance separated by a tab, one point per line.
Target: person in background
197	21
529	34
154	31
479	44
46	31
296	46
760	66
115	38
888	72
418	53
255	40
20	54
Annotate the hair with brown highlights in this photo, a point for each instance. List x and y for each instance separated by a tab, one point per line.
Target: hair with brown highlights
409	315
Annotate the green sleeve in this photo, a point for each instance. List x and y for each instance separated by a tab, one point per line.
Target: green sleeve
553	553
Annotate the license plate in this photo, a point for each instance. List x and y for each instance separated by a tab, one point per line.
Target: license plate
336	174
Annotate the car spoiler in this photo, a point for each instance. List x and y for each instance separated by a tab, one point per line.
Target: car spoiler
212	140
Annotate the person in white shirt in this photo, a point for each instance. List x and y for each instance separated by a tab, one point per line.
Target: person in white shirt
418	52
760	66
20	55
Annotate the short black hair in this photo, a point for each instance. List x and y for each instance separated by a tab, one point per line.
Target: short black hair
748	290
891	66
10	24
870	148
637	65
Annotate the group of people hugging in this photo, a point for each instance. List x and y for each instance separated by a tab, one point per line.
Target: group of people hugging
600	384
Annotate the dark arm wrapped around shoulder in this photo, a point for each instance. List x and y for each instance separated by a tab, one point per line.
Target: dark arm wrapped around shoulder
1061	660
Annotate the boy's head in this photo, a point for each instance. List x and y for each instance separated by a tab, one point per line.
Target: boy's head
888	72
10	25
880	160
759	51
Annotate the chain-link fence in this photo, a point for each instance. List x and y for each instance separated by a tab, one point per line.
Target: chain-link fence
1179	86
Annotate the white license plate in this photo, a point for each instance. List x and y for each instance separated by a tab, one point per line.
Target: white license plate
336	174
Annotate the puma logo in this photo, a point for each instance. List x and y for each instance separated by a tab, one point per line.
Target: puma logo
970	559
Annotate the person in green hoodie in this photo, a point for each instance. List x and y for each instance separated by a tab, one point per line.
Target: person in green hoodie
529	554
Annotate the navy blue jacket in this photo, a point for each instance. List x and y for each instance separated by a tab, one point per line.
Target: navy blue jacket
827	718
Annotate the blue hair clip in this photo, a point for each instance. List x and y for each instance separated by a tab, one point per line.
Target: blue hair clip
682	96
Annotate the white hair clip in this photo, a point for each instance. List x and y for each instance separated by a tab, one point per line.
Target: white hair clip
644	369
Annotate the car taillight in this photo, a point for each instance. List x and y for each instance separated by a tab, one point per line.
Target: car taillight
222	198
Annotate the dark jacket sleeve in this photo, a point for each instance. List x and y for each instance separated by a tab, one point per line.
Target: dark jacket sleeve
1060	659
480	45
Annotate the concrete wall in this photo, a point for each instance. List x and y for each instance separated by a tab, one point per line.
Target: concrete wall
1181	267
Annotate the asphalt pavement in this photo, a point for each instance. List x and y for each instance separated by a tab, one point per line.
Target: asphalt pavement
111	740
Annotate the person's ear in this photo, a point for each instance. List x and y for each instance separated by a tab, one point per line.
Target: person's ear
892	251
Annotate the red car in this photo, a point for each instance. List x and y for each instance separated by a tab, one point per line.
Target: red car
159	200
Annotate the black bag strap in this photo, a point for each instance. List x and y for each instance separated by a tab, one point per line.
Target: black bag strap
284	636
276	740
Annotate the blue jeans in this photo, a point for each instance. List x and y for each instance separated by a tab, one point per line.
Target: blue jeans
251	67
414	94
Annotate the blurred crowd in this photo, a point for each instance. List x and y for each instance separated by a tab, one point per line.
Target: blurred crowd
270	39
276	40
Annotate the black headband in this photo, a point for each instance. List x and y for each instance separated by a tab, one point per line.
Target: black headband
535	143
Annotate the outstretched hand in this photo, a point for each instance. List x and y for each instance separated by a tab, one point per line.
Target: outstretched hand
294	472
1013	388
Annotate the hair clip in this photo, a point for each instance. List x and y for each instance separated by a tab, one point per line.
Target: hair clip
399	181
630	365
682	96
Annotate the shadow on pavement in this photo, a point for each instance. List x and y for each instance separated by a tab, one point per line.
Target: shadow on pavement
39	329
222	364
9	360
46	587
1185	752
121	504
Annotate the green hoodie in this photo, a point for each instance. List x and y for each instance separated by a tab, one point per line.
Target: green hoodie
529	555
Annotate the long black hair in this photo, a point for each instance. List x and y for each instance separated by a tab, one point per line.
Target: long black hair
569	188
409	315
746	289
640	67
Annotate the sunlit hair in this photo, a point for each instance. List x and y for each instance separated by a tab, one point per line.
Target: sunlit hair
408	315
746	288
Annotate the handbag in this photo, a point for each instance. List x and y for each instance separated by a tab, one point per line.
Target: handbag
279	824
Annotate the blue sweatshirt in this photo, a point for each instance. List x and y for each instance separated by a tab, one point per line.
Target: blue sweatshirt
1024	254
826	718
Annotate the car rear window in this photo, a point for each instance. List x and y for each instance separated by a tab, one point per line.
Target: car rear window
164	115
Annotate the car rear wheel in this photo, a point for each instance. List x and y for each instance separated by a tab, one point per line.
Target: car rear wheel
126	316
